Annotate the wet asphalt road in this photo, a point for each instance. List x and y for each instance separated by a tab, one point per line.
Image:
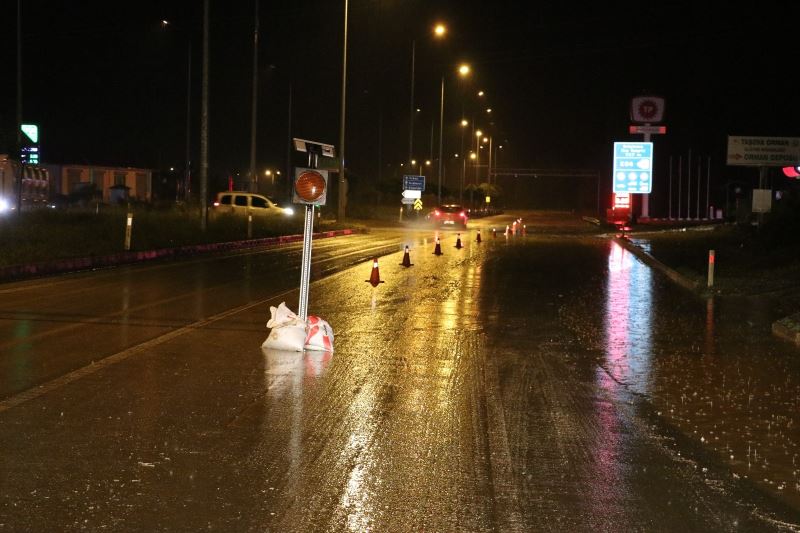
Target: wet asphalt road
537	383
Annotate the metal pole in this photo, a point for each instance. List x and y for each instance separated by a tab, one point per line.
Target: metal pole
254	108
680	181
411	105
19	106
441	129
697	201
489	171
689	186
305	264
289	149
187	175
669	216
204	125
708	188
342	180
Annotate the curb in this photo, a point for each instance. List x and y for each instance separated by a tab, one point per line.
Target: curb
674	275
787	328
16	272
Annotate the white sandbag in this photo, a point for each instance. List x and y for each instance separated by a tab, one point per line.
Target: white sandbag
319	336
288	330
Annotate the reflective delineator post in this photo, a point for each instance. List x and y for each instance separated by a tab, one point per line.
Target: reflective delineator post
711	259
478	239
305	263
458	241
249	225
128	230
494	233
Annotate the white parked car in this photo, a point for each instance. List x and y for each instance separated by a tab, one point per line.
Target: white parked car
247	203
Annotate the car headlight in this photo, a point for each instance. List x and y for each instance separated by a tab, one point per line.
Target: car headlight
3	205
288	211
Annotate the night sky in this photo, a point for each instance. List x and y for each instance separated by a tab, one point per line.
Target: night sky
107	83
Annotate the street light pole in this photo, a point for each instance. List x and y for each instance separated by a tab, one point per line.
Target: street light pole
254	110
411	104
441	129
342	180
204	125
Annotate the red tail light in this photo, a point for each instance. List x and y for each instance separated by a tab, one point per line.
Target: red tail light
463	214
436	213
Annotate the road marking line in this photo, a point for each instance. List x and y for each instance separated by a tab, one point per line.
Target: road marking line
106	362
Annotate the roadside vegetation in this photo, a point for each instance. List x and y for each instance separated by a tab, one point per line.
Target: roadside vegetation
46	234
749	259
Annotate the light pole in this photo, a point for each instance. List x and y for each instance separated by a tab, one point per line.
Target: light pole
253	175
478	135
187	169
342	180
440	31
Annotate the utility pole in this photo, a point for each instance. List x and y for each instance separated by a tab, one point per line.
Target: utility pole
342	180
204	125
411	106
254	111
19	107
188	165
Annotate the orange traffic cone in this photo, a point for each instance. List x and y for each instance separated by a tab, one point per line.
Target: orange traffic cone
438	249
406	259
458	241
494	233
478	239
375	277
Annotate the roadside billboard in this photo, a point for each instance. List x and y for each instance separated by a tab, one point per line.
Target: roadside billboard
763	151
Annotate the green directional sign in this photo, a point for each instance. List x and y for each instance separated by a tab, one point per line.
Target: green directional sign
31	131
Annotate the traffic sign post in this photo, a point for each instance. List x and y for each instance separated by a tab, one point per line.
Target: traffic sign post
310	189
633	167
413	183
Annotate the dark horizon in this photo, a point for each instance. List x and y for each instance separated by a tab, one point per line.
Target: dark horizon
107	83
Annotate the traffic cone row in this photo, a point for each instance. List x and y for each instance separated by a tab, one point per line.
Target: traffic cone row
375	276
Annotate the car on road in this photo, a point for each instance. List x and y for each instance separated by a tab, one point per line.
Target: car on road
449	215
241	203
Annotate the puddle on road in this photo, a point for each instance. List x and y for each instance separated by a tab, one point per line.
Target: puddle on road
710	367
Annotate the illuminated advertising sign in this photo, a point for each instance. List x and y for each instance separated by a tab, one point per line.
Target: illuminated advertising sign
633	167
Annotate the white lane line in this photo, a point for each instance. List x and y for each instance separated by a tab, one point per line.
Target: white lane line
75	375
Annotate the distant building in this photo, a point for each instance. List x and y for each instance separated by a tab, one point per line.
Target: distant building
137	183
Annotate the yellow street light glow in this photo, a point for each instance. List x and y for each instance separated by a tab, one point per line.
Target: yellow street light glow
413	161
464	122
428	163
488	109
486	139
165	22
480	93
267	172
472	155
478	133
439	30
463	70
